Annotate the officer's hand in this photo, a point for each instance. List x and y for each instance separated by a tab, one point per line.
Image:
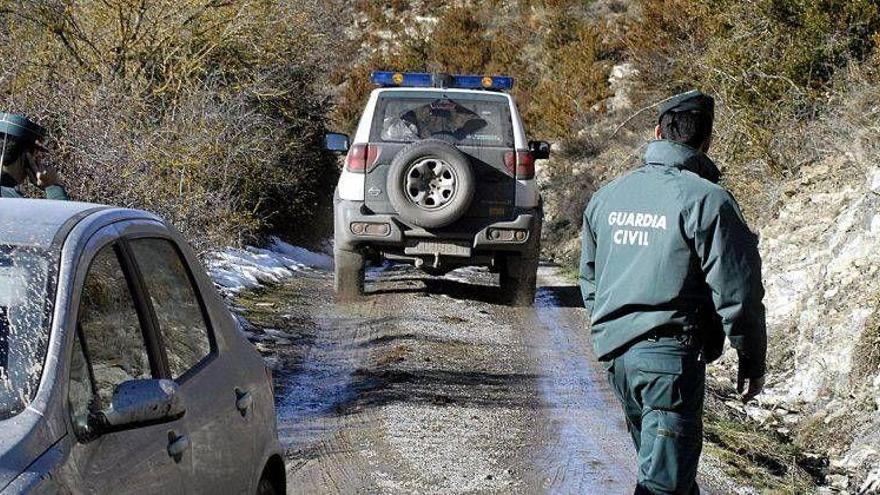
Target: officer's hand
41	174
756	385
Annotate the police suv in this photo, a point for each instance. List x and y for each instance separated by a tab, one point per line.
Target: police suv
439	174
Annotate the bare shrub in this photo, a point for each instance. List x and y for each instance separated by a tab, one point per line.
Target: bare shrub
557	57
206	112
771	66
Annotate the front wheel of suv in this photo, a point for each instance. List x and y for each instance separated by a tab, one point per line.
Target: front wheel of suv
348	274
519	279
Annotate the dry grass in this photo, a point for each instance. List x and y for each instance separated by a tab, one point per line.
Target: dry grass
773	66
866	360
559	60
759	457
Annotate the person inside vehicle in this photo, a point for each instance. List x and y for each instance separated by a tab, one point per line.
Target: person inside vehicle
20	150
440	118
668	268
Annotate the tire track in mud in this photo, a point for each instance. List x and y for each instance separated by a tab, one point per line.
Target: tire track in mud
589	449
431	386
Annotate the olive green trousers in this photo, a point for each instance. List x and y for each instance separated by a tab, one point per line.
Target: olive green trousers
661	384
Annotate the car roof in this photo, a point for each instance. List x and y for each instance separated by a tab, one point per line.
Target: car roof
37	222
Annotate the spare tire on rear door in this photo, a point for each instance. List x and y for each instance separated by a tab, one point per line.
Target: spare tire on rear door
430	183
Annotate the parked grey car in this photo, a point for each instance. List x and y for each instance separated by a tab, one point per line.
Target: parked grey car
121	370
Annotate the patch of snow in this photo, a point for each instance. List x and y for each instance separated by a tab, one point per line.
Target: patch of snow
321	261
875	180
235	269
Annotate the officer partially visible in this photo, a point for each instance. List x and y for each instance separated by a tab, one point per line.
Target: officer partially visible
19	144
668	268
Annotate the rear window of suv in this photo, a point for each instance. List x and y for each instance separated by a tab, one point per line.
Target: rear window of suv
464	119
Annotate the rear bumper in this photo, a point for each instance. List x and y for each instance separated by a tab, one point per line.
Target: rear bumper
400	235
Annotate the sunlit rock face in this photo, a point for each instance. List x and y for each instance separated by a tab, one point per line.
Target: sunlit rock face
821	261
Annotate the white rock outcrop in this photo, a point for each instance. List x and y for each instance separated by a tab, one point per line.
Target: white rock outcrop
821	261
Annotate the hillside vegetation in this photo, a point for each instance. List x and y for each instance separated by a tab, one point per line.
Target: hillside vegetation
204	111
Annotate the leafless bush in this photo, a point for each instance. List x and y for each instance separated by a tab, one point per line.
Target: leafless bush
206	112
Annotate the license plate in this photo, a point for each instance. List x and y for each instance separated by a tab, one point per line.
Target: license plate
441	248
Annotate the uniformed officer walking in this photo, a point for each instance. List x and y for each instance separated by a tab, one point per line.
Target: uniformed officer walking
19	141
668	268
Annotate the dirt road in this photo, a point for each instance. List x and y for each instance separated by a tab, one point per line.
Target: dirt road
431	386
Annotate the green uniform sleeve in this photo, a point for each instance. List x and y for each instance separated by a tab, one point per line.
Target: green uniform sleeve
587	274
730	260
56	192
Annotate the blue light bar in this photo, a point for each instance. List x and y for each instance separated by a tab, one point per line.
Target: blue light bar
426	80
482	82
407	79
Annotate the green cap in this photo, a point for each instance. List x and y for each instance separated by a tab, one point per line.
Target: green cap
20	127
691	101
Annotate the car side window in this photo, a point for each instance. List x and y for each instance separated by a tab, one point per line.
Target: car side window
176	303
114	339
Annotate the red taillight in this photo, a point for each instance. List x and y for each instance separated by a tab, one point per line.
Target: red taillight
525	165
510	163
520	164
361	158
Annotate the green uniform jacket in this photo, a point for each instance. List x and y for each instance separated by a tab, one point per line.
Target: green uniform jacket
665	246
7	190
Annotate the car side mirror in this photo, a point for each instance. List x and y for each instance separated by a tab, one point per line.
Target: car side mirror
137	403
336	142
540	149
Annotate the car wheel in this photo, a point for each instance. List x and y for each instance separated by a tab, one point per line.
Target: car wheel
266	487
430	183
348	272
518	278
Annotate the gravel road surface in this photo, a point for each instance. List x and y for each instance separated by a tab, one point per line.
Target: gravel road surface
430	385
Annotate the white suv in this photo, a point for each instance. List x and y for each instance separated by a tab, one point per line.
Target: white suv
439	174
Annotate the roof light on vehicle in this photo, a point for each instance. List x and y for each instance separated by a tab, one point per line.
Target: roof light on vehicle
484	82
427	80
409	79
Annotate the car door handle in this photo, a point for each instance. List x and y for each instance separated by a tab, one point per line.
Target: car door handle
243	400
177	445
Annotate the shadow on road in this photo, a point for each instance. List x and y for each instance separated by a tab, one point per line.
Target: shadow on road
447	287
565	296
380	387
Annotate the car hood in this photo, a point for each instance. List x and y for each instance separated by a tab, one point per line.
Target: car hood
23	438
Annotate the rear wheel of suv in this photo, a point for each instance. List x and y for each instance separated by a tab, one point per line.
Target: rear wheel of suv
430	183
518	278
348	271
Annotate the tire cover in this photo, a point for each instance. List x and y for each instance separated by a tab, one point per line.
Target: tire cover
464	183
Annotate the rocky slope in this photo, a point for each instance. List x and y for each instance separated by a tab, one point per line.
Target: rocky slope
822	257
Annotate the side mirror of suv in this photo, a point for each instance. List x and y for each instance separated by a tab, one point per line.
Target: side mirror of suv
540	149
336	142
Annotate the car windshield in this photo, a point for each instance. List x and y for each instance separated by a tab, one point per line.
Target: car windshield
461	118
24	324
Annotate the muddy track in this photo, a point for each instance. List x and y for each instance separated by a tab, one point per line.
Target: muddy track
431	386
